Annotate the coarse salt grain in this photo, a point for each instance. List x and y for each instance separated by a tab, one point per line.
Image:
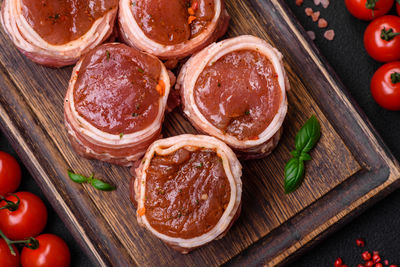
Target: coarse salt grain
315	16
317	2
299	2
309	11
311	34
322	23
325	3
329	35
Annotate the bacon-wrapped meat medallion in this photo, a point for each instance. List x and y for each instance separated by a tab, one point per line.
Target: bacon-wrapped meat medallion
188	190
172	29
235	90
115	103
57	33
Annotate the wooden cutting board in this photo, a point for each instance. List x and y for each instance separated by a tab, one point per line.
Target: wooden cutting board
351	166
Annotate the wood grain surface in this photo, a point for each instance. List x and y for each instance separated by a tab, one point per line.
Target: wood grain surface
350	168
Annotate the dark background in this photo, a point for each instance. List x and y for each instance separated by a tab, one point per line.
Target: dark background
380	225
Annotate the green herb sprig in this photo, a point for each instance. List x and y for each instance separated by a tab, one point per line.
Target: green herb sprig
306	139
98	184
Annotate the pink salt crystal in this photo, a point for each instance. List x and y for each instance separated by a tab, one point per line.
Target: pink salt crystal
325	3
317	2
299	2
311	34
309	11
329	35
322	23
315	16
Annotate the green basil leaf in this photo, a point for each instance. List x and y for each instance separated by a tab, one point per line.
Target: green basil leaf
305	156
77	178
100	185
308	135
294	173
295	153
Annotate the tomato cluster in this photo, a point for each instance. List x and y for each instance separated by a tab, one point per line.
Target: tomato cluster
368	9
23	216
382	43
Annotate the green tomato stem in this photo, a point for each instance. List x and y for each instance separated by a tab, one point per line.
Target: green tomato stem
395	77
11	206
388	35
9	244
31	243
370	4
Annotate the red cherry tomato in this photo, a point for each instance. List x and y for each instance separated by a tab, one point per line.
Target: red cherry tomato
398	7
382	38
52	251
28	220
6	258
385	86
10	174
368	9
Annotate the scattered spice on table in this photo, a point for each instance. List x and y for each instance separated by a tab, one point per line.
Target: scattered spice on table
317	2
322	23
325	3
309	11
311	34
360	242
370	260
329	35
315	16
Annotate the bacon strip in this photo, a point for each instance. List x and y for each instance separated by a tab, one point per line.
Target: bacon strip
90	142
133	35
40	51
269	138
233	170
